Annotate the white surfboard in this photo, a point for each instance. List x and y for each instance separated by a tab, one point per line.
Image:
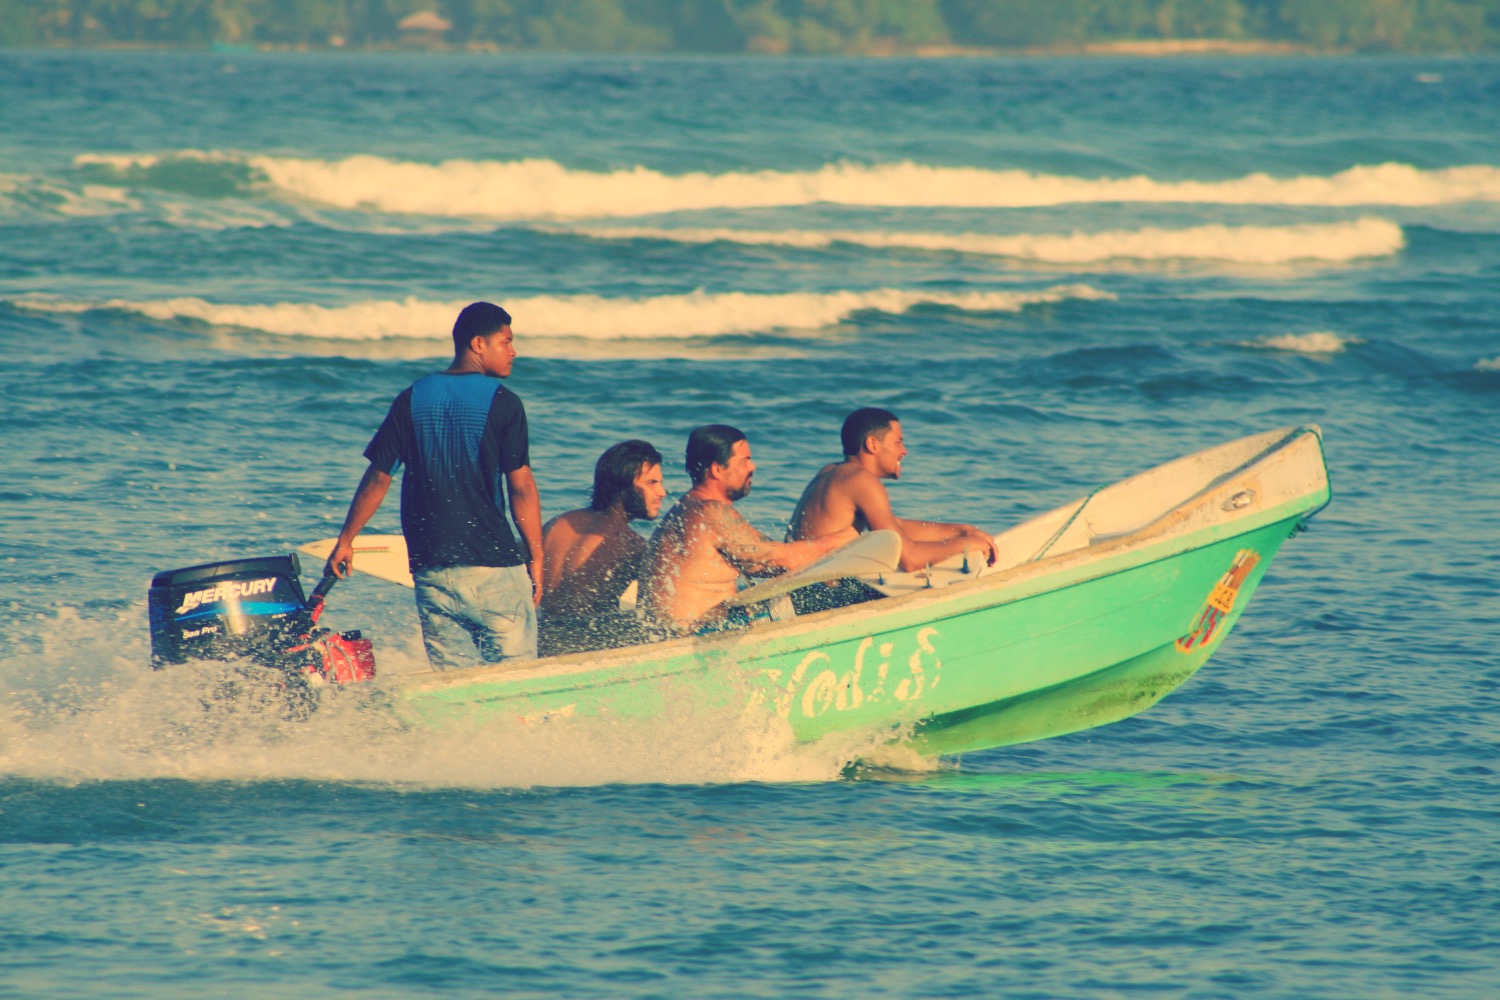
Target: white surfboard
961	568
381	556
871	554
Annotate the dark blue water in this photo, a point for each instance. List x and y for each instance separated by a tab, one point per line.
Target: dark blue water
216	270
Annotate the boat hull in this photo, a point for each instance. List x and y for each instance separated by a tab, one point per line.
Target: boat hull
1114	690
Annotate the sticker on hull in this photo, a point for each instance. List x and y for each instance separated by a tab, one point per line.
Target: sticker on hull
1220	602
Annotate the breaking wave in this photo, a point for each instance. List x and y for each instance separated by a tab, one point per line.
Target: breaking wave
24	199
1316	342
590	317
1332	242
543	188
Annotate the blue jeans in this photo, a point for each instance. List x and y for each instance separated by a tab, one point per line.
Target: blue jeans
472	615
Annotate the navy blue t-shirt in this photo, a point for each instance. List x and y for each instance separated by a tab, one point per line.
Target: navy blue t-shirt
457	435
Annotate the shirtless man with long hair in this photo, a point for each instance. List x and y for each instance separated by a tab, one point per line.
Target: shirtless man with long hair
592	555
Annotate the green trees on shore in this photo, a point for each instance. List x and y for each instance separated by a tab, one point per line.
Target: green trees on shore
769	26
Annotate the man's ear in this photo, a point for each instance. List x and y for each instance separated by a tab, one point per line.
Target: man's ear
872	444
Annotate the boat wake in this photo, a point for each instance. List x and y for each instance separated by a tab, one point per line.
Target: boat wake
83	707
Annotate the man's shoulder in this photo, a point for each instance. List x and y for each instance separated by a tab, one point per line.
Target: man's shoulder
700	514
475	383
505	405
849	478
583	521
723	522
702	507
403	398
561	524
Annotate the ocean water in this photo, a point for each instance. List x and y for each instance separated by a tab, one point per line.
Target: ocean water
216	270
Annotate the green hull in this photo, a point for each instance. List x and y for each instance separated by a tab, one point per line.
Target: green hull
1088	636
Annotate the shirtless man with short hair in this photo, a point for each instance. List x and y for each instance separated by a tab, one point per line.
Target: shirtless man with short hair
696	556
591	555
851	493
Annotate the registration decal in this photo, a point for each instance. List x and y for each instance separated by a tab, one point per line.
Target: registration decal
1220	602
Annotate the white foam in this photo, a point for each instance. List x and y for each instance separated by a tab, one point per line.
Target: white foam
23	197
85	706
1489	364
1330	242
147	161
1316	342
590	317
541	188
221	216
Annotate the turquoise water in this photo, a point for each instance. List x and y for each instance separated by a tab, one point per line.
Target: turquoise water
217	269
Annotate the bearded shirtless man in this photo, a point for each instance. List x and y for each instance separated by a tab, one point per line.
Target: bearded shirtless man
850	493
696	556
591	554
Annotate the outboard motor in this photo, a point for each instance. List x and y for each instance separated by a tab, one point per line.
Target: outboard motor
252	609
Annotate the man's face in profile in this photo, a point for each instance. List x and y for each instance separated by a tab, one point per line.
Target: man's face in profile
739	472
643	502
890	449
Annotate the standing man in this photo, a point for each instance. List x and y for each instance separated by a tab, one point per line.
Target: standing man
696	556
592	554
851	493
459	433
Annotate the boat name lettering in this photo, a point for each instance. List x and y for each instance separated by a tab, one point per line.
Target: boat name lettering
816	684
225	591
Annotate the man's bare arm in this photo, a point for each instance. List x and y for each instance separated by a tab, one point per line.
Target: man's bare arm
948	535
922	542
754	554
526	511
367	498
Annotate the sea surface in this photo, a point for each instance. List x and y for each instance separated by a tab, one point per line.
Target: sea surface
217	269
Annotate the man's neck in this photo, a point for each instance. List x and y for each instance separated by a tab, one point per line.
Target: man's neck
464	364
710	491
614	516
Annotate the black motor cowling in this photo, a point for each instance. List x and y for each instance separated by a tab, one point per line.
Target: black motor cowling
251	609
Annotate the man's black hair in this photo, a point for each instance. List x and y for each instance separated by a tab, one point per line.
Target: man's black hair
478	319
709	444
615	472
861	424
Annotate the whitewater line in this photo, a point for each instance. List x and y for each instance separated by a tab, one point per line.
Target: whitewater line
1330	242
590	317
544	188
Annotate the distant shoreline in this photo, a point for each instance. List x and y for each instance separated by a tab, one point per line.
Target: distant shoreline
1144	48
1153	47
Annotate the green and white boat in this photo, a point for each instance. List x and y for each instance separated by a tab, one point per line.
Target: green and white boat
1095	611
